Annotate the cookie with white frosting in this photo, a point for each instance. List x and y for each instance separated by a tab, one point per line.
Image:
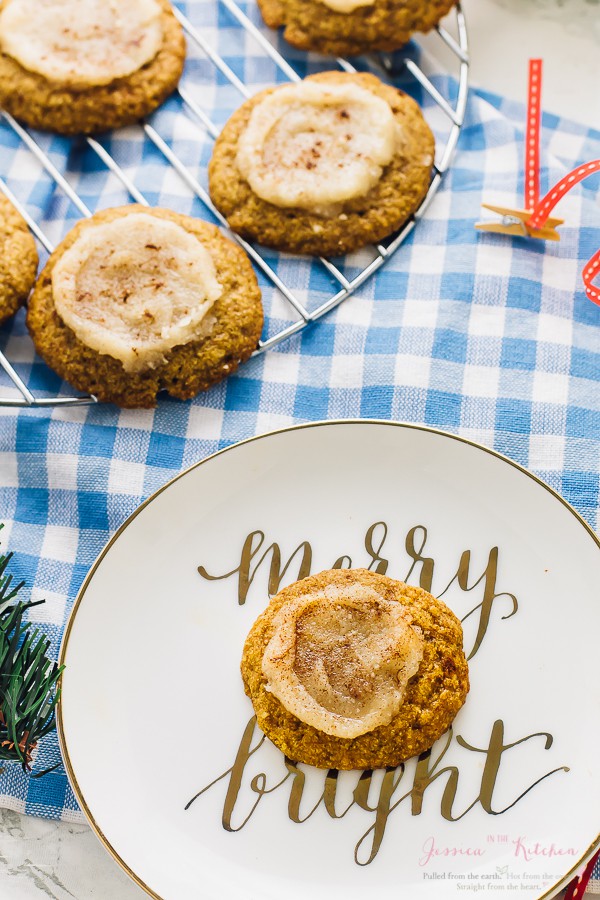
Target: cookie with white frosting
138	300
349	669
324	166
83	66
18	260
351	27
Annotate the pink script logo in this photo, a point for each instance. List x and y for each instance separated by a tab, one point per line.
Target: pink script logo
527	852
432	851
522	850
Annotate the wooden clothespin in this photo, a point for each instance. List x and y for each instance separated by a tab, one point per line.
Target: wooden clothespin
515	222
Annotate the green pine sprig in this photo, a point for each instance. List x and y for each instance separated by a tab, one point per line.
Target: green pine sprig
28	692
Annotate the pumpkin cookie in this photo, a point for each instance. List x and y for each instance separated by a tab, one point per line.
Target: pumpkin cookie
350	27
349	669
18	260
324	166
83	66
138	300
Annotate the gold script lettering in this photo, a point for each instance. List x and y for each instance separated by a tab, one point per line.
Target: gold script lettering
236	772
382	810
489	593
253	557
246	573
493	757
378	563
427	771
427	563
297	792
343	562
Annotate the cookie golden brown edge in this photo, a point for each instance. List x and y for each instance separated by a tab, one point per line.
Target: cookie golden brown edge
384	25
57	107
189	368
363	220
18	260
433	696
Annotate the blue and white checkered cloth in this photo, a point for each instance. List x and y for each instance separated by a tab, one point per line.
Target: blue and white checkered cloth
488	337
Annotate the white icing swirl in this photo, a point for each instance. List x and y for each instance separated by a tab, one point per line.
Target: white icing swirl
135	287
82	43
316	144
340	660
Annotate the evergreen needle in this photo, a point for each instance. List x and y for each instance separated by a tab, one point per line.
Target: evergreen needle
28	692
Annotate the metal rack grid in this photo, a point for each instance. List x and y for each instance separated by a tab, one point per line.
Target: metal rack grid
455	112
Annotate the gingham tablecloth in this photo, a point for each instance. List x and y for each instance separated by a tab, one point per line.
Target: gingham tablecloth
487	337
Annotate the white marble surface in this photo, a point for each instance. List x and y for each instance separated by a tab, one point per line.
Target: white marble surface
41	859
505	34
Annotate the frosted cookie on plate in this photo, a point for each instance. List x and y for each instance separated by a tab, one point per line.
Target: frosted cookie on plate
137	300
18	260
350	27
350	669
83	66
324	166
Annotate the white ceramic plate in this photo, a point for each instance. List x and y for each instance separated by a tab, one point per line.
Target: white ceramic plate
153	712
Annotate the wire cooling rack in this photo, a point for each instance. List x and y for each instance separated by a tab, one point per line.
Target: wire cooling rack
455	51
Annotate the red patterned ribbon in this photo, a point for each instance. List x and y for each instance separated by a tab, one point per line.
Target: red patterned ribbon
543	209
576	889
589	273
545	206
532	141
